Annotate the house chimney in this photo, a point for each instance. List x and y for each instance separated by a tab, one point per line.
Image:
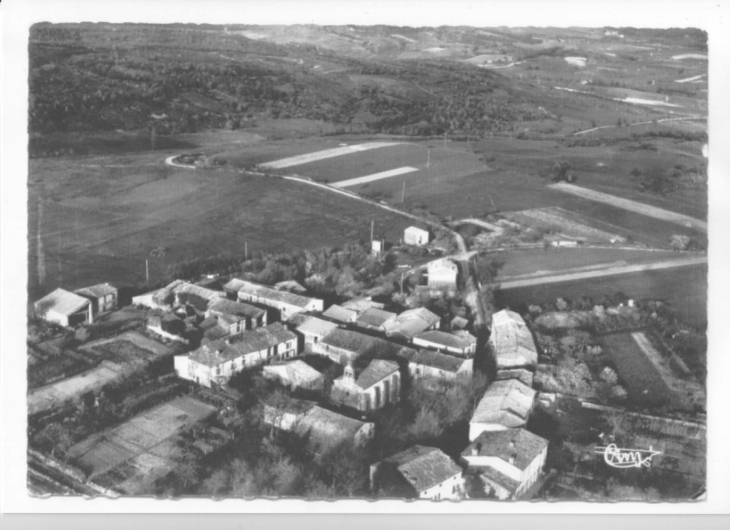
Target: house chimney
475	449
512	458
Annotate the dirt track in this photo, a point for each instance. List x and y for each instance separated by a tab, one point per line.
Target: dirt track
610	271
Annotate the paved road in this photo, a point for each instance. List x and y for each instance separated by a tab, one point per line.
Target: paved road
610	271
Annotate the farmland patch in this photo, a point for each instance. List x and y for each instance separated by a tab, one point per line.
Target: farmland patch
372	178
322	155
562	222
633	206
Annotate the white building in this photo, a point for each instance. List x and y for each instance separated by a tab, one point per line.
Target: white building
104	297
416	236
179	293
410	323
65	308
313	330
508	462
418	472
512	341
214	363
505	405
442	275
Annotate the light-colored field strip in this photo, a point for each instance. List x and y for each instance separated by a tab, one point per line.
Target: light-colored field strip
374	176
690	79
632	206
611	271
322	155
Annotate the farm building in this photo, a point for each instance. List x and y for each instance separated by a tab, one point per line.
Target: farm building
460	343
215	362
416	236
419	472
285	303
295	374
235	317
313	330
412	322
344	346
340	314
505	405
324	427
375	319
512	341
459	323
65	308
104	297
508	462
179	294
427	364
369	388
168	326
442	274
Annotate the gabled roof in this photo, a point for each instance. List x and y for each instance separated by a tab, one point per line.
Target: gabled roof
411	322
291	405
326	427
424	467
505	402
521	444
375	372
290	285
268	293
223	350
97	291
360	305
416	230
340	314
438	360
522	375
316	326
375	317
182	287
63	302
360	343
459	322
229	307
443	264
513	342
500	479
461	340
296	368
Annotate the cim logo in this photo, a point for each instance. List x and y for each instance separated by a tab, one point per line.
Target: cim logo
626	458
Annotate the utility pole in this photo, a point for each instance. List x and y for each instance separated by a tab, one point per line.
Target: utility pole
147	270
428	158
403	193
245	250
372	230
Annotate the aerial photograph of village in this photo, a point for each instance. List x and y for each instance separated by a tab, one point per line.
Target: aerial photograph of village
447	263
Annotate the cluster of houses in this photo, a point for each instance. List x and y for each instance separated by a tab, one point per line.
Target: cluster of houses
244	324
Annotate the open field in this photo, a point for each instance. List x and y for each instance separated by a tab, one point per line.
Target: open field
561	222
636	370
100	223
631	206
141	441
372	178
46	371
129	348
525	263
323	155
597	271
685	289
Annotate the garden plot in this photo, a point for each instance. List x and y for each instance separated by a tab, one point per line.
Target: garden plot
323	155
562	222
632	206
130	347
102	452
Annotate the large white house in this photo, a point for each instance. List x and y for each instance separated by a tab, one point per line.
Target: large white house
103	297
214	363
508	462
179	293
418	472
370	388
284	302
460	343
505	405
416	236
512	341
